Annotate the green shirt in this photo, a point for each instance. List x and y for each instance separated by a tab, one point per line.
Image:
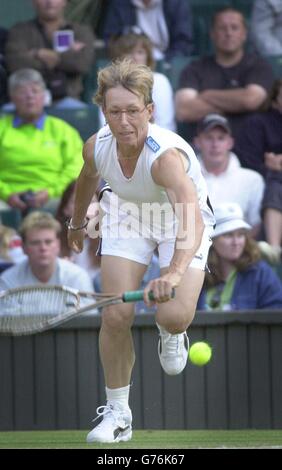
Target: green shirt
35	159
219	297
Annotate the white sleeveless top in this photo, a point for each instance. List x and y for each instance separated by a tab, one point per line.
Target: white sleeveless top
140	188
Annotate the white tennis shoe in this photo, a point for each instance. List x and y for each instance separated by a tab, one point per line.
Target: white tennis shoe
114	427
173	351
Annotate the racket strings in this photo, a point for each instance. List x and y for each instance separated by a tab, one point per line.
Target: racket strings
29	309
38	302
33	309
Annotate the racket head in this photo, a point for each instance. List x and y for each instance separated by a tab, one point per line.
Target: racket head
29	309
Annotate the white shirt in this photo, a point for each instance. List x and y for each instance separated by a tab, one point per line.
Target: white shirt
237	184
164	113
141	188
66	274
151	20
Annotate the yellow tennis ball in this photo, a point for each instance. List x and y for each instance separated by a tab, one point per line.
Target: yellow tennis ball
200	353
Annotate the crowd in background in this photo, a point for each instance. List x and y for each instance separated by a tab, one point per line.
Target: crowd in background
227	104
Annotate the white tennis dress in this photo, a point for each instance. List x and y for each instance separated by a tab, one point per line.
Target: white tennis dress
138	216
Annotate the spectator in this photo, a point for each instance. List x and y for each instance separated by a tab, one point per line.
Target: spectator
138	47
238	279
87	259
167	23
3	73
32	44
266	26
230	82
86	12
227	181
40	236
39	153
259	147
11	251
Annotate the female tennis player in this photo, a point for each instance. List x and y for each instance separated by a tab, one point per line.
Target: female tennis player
158	201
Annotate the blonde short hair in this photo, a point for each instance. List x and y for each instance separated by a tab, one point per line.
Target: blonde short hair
39	220
138	79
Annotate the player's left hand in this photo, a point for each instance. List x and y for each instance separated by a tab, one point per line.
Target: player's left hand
162	289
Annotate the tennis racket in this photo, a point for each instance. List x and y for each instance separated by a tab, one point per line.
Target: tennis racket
33	309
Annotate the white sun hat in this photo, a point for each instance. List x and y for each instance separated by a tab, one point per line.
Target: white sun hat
229	217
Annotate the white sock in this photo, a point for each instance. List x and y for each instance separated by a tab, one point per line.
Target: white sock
118	395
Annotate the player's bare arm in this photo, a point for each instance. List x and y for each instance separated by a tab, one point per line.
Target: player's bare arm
169	172
86	185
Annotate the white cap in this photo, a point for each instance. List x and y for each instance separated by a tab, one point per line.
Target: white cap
229	217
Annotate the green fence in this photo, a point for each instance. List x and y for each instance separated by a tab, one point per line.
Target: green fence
54	380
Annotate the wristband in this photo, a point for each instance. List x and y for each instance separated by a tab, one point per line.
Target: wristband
71	227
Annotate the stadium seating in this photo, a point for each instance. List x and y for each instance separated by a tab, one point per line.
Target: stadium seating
245	6
13	11
276	64
85	120
90	79
175	67
10	218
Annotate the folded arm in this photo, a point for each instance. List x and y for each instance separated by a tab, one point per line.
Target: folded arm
192	105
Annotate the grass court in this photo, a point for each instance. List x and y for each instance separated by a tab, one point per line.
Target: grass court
155	439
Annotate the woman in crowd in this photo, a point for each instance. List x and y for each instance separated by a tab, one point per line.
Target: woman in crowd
238	278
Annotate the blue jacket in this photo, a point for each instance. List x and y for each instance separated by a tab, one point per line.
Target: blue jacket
258	287
178	16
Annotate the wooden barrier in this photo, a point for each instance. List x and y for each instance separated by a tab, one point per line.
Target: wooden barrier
54	380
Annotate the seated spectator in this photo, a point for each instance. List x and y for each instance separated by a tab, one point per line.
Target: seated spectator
11	251
167	23
266	26
88	12
138	47
226	180
87	259
61	51
238	279
40	154
3	72
259	146
230	82
40	234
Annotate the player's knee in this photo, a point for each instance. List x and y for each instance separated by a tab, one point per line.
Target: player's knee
117	318
175	322
175	328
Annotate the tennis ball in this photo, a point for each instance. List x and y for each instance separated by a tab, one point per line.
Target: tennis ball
200	353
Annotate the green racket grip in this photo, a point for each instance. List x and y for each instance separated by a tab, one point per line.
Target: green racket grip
136	295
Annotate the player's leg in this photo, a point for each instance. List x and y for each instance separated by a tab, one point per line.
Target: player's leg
117	350
116	346
174	317
177	314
